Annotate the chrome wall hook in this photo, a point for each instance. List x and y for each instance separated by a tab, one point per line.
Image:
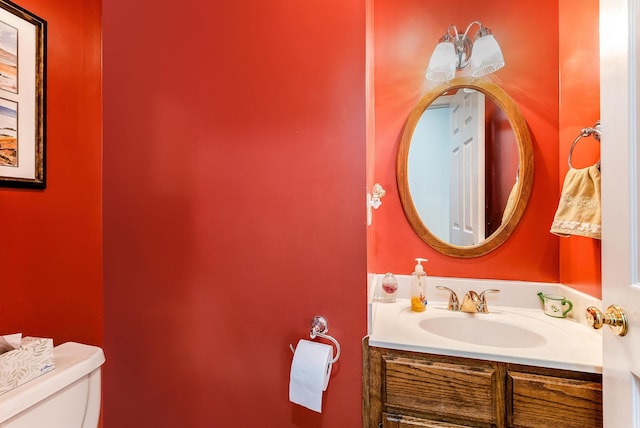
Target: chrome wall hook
319	328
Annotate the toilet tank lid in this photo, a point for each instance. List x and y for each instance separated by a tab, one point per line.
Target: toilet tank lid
72	362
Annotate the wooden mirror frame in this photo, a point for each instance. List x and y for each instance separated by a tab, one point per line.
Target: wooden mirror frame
525	167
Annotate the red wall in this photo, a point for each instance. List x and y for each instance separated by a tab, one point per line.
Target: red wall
234	177
579	108
51	248
405	33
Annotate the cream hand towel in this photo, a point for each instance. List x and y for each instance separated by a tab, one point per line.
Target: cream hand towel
511	202
579	207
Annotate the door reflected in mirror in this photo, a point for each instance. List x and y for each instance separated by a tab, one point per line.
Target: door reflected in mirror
462	166
465	167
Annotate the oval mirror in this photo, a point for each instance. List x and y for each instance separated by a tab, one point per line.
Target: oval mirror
465	167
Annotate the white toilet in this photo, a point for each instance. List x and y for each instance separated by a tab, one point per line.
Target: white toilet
66	397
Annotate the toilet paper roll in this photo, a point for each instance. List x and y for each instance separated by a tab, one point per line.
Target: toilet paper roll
310	372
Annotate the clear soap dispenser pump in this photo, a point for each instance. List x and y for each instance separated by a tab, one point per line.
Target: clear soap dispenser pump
419	287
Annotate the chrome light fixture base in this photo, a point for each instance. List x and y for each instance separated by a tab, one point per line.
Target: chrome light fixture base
463	47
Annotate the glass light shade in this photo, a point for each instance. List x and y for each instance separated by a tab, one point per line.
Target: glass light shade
486	56
442	65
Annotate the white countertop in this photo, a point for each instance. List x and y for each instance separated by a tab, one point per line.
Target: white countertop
562	343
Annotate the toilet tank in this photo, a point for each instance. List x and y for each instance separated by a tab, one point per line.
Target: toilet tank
66	397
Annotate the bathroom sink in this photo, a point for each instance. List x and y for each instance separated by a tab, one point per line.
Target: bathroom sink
485	332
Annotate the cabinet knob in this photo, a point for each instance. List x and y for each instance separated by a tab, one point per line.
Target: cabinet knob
615	318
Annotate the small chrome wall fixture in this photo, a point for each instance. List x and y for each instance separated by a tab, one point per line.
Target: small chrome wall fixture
455	51
319	328
374	200
595	131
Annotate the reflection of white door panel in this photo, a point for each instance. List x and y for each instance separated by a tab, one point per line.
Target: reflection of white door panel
619	20
466	151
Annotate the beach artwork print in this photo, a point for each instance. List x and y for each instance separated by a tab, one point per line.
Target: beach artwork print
22	97
8	58
8	133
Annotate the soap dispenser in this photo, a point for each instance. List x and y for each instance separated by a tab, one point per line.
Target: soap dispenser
419	287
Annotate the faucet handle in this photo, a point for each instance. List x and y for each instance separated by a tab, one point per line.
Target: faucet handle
483	300
454	303
491	290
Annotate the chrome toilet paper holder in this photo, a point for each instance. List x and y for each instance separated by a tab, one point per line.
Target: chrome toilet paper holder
319	328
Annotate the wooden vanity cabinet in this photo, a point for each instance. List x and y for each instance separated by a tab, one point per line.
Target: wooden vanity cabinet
403	389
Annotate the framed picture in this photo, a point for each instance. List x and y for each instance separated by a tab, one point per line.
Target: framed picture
22	97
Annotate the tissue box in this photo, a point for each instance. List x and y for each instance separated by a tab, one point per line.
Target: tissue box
33	358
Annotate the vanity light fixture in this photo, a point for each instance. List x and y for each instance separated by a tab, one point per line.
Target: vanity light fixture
456	51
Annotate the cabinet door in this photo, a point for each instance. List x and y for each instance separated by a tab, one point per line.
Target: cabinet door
401	421
454	391
547	401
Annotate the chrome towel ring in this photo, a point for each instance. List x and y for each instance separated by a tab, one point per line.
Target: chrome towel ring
586	132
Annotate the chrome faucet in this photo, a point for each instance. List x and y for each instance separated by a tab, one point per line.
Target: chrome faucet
471	302
474	302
